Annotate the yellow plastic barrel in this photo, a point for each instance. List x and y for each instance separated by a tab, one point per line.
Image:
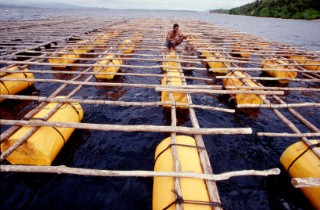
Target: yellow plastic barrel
242	98
170	65
218	62
261	45
191	189
13	87
173	78
108	60
241	50
126	46
271	67
305	166
85	46
68	58
308	63
44	145
101	38
137	37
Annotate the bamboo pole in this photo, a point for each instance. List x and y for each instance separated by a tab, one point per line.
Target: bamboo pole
111	103
293	135
277	106
278	88
299	117
204	157
270	78
181	90
112	173
129	128
305	182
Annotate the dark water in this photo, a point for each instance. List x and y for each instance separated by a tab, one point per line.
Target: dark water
135	150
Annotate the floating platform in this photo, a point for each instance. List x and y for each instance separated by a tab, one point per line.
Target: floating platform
246	83
191	189
218	65
274	66
301	162
108	60
43	146
14	87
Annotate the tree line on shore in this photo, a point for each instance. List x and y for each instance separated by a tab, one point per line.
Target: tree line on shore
288	9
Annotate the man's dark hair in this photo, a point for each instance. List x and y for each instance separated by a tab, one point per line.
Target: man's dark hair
175	25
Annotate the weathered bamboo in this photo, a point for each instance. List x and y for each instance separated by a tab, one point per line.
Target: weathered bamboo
204	157
100	73
293	135
299	116
278	88
271	79
111	103
277	106
181	90
130	128
305	182
111	173
177	165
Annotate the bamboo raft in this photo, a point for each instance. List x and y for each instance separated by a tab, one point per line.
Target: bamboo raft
104	48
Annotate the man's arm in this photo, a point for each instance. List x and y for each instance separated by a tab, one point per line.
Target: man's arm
182	36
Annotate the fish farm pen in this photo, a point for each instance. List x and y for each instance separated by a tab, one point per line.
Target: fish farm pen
49	69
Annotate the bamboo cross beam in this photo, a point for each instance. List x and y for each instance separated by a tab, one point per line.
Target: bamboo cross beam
277	106
129	128
299	116
277	88
292	135
181	90
57	72
271	79
113	173
194	61
111	103
106	84
305	182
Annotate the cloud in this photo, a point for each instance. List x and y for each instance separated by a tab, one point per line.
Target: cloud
145	4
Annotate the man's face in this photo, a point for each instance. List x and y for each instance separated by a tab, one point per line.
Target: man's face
176	29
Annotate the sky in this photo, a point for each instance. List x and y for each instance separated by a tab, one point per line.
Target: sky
198	5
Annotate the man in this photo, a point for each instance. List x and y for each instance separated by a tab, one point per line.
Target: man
174	38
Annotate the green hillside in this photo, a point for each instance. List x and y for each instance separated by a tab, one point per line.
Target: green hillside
296	9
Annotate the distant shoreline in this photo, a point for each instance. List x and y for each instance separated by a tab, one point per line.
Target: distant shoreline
219	13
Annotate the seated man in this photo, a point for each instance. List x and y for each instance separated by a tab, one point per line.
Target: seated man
174	38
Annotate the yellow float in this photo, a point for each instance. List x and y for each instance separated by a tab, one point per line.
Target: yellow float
69	57
242	98
191	189
305	166
44	145
308	63
137	37
273	66
170	65
101	38
240	49
260	45
173	78
218	65
13	87
126	46
108	60
85	46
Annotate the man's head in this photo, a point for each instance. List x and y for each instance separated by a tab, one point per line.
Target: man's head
176	27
